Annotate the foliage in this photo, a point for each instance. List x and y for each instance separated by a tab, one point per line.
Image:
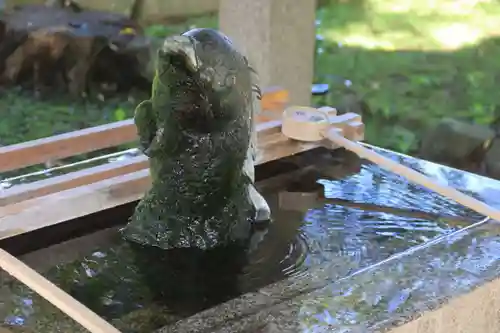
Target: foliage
410	62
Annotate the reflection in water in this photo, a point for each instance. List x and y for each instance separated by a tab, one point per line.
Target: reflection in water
479	187
379	297
108	282
14	178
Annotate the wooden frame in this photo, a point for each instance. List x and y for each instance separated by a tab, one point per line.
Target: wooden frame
61	198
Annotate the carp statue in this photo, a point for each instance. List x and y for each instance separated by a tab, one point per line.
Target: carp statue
198	131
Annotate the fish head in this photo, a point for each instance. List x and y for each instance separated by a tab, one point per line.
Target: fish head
206	76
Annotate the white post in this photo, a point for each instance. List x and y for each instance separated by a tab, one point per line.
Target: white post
278	36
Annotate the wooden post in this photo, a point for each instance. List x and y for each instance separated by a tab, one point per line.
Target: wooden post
279	37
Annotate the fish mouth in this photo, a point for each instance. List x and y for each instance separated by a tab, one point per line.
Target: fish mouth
182	48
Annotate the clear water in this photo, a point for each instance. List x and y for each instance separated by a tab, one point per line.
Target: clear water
18	177
395	291
343	296
357	221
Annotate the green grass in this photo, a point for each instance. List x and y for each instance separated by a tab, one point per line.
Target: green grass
410	63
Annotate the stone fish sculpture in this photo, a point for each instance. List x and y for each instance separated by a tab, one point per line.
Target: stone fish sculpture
198	131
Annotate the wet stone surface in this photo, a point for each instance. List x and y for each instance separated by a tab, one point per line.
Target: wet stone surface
384	295
376	299
314	269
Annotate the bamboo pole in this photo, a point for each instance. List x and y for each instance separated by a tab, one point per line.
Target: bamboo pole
60	299
414	176
310	124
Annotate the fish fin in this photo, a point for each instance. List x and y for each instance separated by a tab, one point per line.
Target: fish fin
146	125
262	210
260	205
249	164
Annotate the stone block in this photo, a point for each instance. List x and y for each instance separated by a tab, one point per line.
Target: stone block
456	142
492	160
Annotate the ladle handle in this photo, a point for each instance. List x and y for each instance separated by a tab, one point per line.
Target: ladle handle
60	299
412	175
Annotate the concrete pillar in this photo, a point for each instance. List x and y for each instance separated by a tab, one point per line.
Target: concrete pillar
278	36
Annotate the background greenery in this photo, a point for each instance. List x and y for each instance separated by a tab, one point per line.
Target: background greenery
403	63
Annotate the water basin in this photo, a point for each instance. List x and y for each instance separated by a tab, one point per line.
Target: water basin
300	264
450	272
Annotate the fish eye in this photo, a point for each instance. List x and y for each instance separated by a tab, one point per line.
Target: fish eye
230	80
209	46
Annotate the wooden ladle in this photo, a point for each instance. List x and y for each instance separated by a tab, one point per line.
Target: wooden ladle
310	124
60	299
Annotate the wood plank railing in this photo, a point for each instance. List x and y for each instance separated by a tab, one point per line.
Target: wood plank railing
87	140
58	199
100	137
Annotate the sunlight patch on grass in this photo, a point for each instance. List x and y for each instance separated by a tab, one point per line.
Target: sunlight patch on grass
392	52
368	42
457	35
409	24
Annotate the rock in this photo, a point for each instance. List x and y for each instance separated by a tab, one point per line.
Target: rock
456	143
492	160
145	50
145	320
352	103
55	41
272	328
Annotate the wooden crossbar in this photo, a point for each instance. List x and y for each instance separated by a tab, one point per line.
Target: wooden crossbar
65	145
70	180
95	138
60	206
77	142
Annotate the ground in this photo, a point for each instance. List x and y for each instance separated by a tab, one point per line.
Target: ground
408	62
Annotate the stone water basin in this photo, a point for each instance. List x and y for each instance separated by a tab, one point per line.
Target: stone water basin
371	251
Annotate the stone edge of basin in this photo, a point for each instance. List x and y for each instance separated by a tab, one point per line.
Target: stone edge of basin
476	311
275	305
254	303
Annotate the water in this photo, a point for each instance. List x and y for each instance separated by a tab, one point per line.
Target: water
13	178
358	221
108	282
373	299
396	291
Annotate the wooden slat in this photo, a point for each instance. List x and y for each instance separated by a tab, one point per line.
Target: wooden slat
68	144
61	206
91	175
55	295
73	179
91	139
